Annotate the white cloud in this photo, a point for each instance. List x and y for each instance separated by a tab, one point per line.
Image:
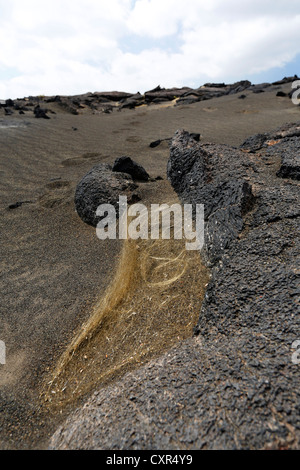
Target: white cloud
159	18
242	48
155	18
73	46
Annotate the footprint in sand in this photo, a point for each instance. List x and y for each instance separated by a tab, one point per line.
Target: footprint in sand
58	184
58	193
210	110
132	138
80	160
248	111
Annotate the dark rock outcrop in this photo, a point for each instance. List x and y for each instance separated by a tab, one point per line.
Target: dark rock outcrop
289	149
238	87
286	80
102	186
67	105
109	101
290	166
113	95
220	178
40	113
272	139
163	94
259	87
215	85
127	165
9	103
212	90
203	174
201	94
254	143
132	101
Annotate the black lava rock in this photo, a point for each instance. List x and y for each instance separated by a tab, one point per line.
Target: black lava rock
127	165
156	143
290	165
195	136
286	80
9	103
254	143
200	175
102	186
40	113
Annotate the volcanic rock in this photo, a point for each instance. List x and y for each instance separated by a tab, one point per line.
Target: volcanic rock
113	95
40	112
132	102
67	105
155	143
286	80
102	186
215	85
290	160
127	165
163	94
259	87
190	99
254	143
9	103
203	174
238	87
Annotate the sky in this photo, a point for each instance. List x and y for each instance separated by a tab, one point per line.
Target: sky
68	47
